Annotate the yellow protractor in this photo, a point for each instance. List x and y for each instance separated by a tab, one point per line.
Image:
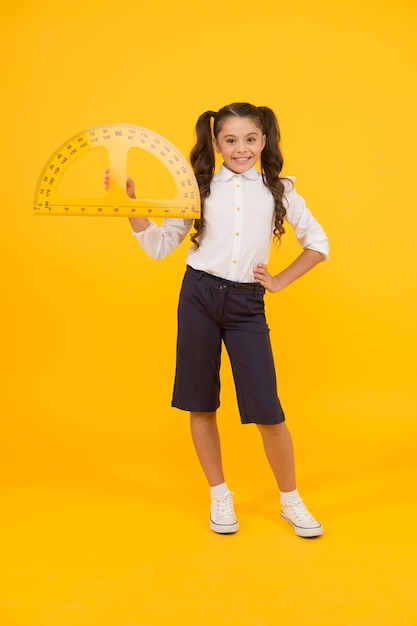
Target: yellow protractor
118	139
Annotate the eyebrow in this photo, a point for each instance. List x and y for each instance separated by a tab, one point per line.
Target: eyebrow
248	135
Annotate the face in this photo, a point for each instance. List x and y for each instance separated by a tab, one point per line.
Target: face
240	142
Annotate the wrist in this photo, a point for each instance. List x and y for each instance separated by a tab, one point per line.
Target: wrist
279	283
139	224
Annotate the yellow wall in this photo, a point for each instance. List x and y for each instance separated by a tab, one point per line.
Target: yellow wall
88	322
104	506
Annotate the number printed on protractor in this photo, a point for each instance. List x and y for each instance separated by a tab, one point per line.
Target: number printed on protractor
118	139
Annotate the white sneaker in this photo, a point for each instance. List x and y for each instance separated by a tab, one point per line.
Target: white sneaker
222	515
305	525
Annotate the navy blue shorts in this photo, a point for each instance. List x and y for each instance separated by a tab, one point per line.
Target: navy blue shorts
213	311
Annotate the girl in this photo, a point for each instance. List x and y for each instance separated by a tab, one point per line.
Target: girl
222	295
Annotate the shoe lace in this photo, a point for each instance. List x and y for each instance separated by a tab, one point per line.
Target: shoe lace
224	505
299	510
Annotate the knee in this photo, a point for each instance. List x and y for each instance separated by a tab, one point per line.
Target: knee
202	415
273	430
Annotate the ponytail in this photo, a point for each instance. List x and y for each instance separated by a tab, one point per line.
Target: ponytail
271	164
203	163
271	157
202	155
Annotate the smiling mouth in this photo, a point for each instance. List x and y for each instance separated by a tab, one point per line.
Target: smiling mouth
242	159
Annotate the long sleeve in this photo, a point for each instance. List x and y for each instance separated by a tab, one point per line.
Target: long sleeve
159	241
308	231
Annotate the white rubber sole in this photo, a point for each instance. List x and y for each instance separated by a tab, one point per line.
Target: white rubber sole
224	529
317	531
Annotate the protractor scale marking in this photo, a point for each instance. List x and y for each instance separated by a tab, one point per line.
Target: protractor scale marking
118	139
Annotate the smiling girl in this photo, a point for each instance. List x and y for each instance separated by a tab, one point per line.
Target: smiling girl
222	295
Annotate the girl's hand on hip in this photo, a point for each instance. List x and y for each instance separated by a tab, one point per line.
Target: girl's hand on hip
264	278
130	184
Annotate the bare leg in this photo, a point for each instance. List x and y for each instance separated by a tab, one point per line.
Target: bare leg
206	440
280	454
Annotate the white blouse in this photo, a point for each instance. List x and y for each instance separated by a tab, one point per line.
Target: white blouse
239	223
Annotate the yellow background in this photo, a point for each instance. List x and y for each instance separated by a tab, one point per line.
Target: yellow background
104	508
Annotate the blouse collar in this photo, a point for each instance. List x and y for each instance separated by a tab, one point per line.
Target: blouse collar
224	174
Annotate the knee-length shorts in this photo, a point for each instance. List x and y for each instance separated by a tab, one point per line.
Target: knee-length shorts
213	312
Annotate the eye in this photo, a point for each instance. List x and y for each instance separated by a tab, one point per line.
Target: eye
230	141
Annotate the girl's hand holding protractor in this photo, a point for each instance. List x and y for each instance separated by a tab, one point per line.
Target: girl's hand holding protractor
137	223
130	185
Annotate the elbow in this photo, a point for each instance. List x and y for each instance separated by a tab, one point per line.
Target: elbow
317	256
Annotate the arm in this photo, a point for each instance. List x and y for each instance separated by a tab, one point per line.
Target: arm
310	236
302	264
156	241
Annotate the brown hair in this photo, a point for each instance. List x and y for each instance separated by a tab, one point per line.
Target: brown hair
203	157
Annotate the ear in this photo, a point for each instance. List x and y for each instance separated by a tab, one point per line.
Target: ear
216	145
263	142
